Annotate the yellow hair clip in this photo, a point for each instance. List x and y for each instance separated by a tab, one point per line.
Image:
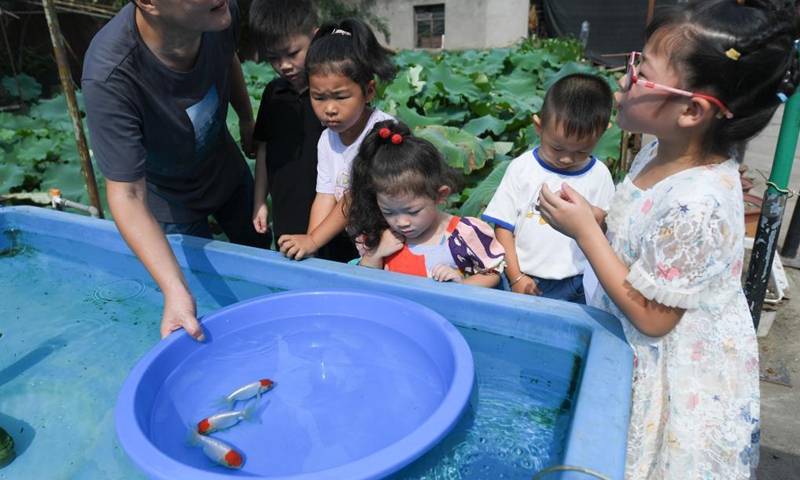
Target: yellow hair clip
733	54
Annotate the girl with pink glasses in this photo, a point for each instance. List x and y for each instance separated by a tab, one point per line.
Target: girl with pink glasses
711	76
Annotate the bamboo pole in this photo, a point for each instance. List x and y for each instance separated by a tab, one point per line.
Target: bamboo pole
72	104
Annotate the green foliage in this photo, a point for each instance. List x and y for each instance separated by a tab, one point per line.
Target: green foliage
36	64
28	85
459	148
38	150
474	105
257	76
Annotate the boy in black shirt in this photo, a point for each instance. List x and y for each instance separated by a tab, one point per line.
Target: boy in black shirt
288	129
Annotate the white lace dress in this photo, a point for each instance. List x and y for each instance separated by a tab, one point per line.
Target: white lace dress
695	397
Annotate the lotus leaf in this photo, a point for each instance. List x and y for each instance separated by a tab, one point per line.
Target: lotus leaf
12	174
31	89
479	198
460	149
413	119
478	126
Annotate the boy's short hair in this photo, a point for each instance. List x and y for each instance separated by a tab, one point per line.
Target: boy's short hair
272	22
580	103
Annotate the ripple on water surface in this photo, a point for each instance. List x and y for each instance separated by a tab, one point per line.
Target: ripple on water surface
120	290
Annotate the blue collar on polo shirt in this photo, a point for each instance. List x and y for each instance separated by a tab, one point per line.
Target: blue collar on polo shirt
563	172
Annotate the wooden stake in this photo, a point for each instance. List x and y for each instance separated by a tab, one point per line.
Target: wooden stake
72	103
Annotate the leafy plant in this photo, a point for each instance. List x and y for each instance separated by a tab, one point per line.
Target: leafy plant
459	148
38	150
30	88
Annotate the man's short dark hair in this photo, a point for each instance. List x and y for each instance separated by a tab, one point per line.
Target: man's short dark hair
272	22
580	103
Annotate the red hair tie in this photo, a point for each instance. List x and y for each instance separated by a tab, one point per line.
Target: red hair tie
384	133
397	138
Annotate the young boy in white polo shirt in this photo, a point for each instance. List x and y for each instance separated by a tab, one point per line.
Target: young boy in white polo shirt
540	260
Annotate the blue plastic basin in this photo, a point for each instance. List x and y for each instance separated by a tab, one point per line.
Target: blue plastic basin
365	384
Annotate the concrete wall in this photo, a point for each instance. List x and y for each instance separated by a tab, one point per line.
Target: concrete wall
506	21
468	23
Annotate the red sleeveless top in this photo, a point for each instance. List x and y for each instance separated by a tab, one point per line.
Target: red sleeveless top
406	261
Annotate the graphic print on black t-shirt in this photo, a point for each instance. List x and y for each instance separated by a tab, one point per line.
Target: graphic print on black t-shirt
205	121
148	121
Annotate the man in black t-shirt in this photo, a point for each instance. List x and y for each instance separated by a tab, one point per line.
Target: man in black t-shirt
157	82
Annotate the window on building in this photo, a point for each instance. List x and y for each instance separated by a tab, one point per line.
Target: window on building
429	23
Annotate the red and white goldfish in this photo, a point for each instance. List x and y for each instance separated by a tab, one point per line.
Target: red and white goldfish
217	450
249	391
221	421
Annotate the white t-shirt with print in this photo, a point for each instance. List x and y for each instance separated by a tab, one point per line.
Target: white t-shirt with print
334	158
542	251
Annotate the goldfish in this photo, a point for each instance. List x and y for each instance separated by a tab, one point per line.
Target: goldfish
221	421
217	450
249	391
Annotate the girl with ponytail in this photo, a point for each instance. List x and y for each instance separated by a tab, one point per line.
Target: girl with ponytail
399	181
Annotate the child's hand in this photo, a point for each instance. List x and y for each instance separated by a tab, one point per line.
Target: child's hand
297	246
566	211
260	217
444	273
527	286
391	242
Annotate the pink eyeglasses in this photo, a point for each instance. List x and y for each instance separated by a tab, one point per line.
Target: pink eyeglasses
633	67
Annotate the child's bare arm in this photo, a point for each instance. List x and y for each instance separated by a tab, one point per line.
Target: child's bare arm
301	246
599	217
323	205
521	282
648	316
571	214
506	239
446	273
260	211
333	224
488	280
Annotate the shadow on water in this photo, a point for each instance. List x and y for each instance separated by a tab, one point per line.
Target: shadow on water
22	432
32	358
